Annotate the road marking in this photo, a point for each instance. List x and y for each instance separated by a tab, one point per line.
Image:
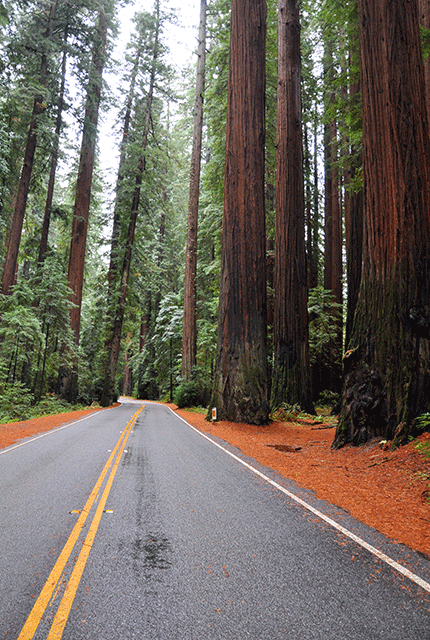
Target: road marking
379	554
33	620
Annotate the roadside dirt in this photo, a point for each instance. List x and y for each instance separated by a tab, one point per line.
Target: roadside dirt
387	490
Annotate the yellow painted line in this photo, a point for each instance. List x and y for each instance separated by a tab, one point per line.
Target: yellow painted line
63	611
33	620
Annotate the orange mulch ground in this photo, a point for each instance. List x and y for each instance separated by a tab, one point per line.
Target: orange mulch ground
387	490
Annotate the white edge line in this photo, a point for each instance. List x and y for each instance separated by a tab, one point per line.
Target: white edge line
379	554
46	433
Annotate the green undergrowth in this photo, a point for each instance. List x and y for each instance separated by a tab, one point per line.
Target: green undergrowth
201	410
423	448
17	404
293	413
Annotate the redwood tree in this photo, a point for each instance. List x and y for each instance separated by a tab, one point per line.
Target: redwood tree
67	382
189	335
291	373
240	389
387	365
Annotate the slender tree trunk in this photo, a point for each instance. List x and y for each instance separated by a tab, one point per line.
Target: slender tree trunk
388	365
330	371
54	160
116	226
67	382
315	226
27	168
241	386
353	234
189	335
127	388
291	380
308	208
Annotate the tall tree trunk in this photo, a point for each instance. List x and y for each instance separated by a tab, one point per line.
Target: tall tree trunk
329	373
311	249
240	383
388	365
189	334
291	380
54	160
67	382
27	167
113	341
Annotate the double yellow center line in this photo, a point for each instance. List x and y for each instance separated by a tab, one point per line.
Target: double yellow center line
49	589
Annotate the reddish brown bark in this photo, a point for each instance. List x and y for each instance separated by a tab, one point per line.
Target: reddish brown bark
291	380
241	386
388	365
84	181
189	334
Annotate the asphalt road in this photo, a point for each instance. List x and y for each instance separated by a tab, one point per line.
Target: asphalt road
175	539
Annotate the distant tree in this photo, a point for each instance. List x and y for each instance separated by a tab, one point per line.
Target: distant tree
387	365
240	390
291	380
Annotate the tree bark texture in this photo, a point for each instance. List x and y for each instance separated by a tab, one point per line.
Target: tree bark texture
189	333
291	381
387	366
240	384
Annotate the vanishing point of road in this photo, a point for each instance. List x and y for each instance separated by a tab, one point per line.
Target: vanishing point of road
130	523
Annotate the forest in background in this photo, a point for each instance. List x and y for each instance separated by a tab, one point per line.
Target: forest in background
95	296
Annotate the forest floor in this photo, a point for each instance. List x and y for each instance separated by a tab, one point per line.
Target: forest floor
387	490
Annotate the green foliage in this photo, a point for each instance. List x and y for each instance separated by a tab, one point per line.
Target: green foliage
187	394
425	41
422	422
286	413
324	315
423	448
328	398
